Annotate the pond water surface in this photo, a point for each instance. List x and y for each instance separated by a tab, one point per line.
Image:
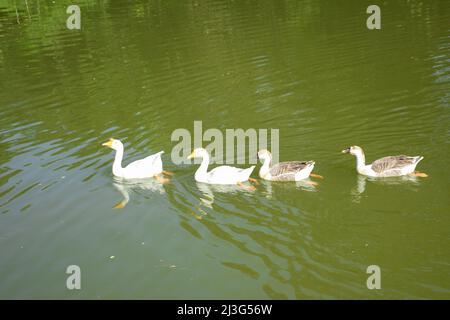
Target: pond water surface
138	70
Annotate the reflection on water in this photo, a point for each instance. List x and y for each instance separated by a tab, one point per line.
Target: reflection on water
125	187
138	70
208	191
360	188
270	187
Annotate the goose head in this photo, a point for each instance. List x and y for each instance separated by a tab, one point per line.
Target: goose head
354	150
198	153
113	144
264	155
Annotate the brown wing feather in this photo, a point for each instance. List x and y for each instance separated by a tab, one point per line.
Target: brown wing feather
289	167
392	162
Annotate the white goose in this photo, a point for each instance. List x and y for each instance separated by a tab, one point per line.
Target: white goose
392	166
221	174
148	167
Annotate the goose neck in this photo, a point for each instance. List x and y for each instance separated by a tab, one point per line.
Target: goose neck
117	165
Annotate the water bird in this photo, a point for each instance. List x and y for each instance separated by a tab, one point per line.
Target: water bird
285	171
391	166
221	174
149	167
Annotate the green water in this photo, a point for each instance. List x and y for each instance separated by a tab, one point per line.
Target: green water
138	70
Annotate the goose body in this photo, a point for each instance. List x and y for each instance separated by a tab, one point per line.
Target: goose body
148	167
391	166
284	171
218	175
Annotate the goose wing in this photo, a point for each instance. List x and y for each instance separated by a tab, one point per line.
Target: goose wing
150	161
289	167
224	172
393	162
227	174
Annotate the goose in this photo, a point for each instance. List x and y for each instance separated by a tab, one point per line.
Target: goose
285	171
149	167
391	166
221	174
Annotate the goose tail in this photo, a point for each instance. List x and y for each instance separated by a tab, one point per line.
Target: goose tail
249	171
418	159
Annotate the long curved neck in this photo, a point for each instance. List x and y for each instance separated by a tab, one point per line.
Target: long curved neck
202	171
265	167
360	161
117	165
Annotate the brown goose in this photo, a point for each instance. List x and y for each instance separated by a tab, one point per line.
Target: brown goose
284	171
392	166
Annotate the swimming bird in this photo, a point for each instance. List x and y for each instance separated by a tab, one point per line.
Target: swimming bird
221	174
285	171
391	166
149	167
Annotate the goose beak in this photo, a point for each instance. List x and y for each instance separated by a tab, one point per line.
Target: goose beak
346	150
108	143
192	155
